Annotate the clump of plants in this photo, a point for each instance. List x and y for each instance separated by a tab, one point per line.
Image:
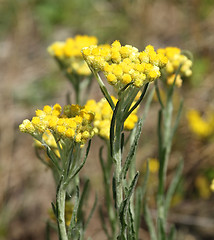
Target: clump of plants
63	135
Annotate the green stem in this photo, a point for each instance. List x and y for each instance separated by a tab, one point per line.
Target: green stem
60	201
119	186
77	92
132	170
164	157
117	155
165	143
112	216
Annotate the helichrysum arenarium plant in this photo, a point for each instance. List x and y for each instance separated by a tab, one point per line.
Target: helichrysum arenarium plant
130	72
68	55
63	132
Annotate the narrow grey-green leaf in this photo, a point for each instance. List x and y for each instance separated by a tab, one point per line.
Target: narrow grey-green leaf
82	200
145	180
132	149
158	94
54	209
70	158
112	127
125	203
73	227
149	222
140	193
178	117
131	231
103	223
72	175
172	187
138	101
161	230
53	157
172	233
91	213
114	191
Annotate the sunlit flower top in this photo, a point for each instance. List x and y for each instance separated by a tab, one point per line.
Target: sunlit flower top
103	116
68	53
201	127
176	58
125	64
73	123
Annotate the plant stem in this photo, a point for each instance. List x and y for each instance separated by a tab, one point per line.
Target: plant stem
60	201
164	151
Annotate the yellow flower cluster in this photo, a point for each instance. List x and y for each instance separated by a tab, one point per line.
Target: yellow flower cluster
69	53
176	58
73	123
125	64
201	127
103	116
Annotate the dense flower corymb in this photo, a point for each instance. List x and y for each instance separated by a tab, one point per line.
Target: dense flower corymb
176	59
103	116
68	53
73	122
125	64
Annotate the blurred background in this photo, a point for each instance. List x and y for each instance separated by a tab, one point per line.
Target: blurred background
31	79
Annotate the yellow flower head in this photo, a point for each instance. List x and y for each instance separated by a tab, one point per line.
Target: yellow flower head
68	53
176	59
178	81
73	123
201	127
103	115
125	64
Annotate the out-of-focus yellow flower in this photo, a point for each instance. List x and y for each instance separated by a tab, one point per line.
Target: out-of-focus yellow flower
153	165
201	127
176	58
68	53
69	207
103	116
125	64
203	187
212	186
178	81
176	199
74	123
